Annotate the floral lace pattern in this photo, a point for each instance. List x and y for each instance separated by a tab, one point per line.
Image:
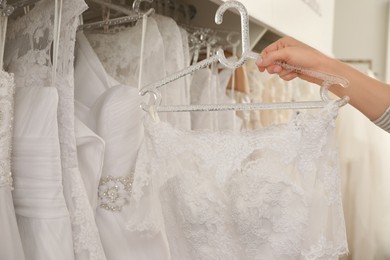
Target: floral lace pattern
7	89
28	56
122	62
271	193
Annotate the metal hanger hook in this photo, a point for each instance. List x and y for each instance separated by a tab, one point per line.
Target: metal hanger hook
244	33
137	3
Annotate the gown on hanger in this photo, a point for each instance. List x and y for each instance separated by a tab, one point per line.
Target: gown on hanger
42	214
271	193
178	91
113	113
119	52
10	244
28	56
208	88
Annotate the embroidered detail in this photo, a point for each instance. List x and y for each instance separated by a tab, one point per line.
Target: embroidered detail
115	192
7	90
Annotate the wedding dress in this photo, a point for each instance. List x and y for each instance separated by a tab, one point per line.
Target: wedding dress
10	244
41	211
176	92
113	113
206	88
271	193
364	150
28	56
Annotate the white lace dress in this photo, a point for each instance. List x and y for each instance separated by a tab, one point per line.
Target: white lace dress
115	116
271	193
10	244
28	56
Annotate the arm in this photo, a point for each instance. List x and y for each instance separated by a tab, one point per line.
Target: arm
368	95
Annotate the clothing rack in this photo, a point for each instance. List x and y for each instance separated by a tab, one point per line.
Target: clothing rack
247	54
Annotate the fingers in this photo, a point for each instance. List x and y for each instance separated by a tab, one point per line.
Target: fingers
269	59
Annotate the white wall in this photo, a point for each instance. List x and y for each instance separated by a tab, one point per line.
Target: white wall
297	19
360	32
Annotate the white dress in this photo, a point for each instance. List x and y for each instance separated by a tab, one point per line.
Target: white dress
115	116
272	193
364	150
206	88
41	211
176	92
28	56
10	244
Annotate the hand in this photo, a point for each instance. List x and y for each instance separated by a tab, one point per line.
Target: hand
293	52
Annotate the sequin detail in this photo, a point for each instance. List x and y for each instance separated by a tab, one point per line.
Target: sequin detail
115	192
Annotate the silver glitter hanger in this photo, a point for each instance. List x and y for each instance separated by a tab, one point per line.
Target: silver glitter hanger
155	100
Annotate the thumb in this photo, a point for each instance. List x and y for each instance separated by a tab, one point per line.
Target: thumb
269	58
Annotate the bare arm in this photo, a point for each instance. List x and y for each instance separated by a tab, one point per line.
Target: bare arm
368	95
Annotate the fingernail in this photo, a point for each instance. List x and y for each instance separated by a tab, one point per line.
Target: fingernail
259	60
277	69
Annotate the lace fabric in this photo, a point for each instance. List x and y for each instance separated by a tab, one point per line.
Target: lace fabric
271	193
10	243
7	89
119	52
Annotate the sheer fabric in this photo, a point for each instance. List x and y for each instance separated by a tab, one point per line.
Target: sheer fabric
272	193
208	88
176	92
364	172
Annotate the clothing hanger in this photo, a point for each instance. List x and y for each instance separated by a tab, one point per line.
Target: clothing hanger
155	100
136	6
132	15
23	3
5	11
56	37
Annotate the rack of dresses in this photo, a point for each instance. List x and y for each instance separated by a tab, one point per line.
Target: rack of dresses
97	178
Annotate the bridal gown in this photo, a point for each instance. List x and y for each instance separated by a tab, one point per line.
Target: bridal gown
10	244
41	211
208	88
272	193
28	56
115	116
163	55
176	92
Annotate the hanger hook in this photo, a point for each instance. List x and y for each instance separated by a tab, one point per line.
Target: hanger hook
324	93
230	39
137	3
154	101
244	33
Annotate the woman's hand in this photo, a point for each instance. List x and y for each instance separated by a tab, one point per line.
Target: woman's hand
293	52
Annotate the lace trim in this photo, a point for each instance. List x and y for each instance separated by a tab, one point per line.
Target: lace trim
325	249
229	195
115	192
86	236
7	90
